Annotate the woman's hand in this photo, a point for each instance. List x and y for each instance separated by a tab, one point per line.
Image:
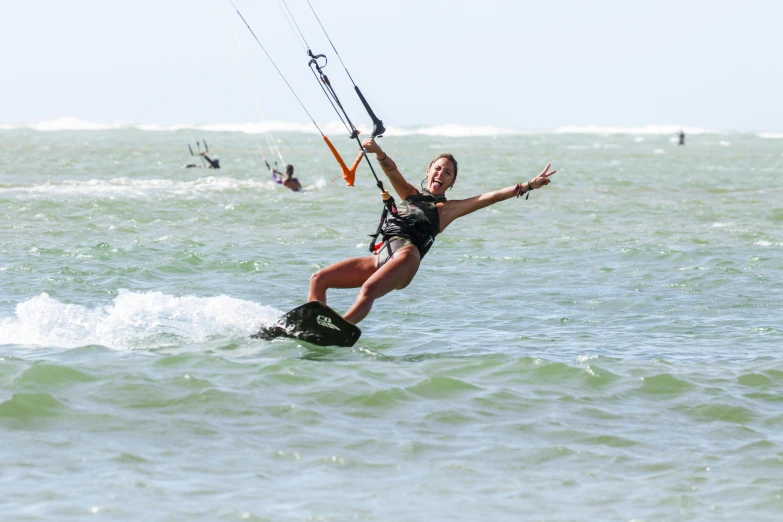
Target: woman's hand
542	179
370	145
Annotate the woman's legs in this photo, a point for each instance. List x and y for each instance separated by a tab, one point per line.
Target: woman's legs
351	273
395	274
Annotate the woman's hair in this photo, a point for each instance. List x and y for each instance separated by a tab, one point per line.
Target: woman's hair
449	157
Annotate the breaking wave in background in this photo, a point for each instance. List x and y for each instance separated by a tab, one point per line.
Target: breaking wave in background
451	130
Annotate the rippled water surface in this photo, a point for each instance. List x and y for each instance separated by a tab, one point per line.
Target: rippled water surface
607	350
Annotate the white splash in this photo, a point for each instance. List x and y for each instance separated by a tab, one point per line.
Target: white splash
140	188
133	320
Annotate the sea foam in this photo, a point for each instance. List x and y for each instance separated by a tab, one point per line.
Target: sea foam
142	188
133	320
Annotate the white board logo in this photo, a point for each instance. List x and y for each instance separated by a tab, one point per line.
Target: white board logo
326	322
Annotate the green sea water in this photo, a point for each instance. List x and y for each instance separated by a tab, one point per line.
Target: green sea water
608	349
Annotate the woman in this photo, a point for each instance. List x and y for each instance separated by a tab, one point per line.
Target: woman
407	237
287	180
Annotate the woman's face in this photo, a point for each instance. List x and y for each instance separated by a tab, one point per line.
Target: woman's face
440	176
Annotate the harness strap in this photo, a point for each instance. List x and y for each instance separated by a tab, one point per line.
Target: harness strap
379	229
389	207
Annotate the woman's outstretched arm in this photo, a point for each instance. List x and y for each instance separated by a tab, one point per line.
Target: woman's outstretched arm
401	187
458	208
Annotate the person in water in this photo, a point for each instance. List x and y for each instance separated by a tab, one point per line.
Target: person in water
287	180
214	163
682	138
407	237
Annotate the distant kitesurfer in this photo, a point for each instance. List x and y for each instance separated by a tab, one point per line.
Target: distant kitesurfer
214	162
682	138
407	237
286	179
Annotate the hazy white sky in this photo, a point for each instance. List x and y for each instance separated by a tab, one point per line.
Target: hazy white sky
517	64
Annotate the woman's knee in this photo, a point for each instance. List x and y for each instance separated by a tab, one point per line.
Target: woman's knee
317	279
370	290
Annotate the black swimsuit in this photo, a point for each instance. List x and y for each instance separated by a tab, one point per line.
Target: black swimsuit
416	223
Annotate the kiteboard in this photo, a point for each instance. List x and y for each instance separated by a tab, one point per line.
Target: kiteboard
315	323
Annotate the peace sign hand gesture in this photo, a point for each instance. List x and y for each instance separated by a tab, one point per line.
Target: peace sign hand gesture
542	179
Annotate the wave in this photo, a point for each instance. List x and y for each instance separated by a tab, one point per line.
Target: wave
449	130
133	320
247	128
452	130
647	129
771	135
334	127
72	124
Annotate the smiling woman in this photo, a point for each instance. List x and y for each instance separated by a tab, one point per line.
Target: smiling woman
408	235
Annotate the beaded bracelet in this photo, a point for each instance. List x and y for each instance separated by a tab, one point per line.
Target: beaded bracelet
518	189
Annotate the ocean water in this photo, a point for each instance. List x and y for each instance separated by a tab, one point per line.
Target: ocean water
609	349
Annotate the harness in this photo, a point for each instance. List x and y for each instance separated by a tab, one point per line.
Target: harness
420	222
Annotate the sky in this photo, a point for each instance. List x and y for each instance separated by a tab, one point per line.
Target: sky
517	64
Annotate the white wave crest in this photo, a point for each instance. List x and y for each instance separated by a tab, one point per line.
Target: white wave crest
72	124
450	130
647	129
133	320
771	135
247	128
335	128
